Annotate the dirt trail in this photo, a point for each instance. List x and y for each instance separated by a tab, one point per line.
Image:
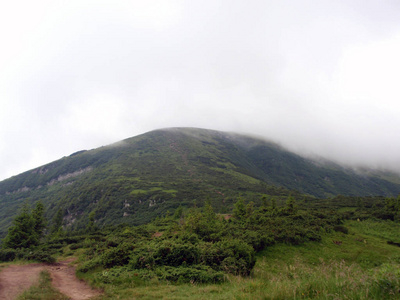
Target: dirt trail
64	279
15	279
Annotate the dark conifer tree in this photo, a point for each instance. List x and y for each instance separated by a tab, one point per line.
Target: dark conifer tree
39	219
22	234
57	222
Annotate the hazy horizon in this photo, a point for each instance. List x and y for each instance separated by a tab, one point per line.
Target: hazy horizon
319	78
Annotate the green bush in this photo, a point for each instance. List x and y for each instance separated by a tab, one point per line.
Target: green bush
76	246
90	265
55	246
142	260
187	237
314	236
170	253
341	228
8	254
165	253
233	256
258	240
117	256
40	255
235	266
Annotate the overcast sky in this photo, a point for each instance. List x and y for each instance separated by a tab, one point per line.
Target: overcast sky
320	77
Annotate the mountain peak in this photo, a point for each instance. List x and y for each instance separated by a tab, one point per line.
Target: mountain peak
144	176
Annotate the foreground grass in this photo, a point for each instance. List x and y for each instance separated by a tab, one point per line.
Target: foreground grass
358	265
43	290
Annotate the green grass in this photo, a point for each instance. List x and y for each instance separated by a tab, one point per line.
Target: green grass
358	265
237	175
138	192
152	190
388	230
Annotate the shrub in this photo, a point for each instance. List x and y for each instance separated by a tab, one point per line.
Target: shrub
117	256
341	228
170	253
258	240
165	253
235	266
90	265
55	246
76	246
187	237
233	256
8	254
142	260
40	255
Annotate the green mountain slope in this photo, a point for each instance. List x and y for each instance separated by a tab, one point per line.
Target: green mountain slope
139	178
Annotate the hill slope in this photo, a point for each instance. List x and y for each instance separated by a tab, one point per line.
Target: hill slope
142	177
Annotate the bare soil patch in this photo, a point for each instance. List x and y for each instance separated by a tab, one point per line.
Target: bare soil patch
64	279
15	279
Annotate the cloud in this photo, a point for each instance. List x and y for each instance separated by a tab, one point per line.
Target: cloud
318	77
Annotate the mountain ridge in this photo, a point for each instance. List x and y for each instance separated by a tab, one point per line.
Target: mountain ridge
139	178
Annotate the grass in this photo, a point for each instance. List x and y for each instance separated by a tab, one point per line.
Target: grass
358	265
153	189
43	290
138	191
388	230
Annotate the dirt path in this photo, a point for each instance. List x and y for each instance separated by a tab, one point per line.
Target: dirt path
64	279
15	279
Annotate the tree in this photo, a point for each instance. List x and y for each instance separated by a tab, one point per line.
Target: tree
22	234
273	203
57	222
39	219
209	213
91	225
264	202
249	209
178	213
239	211
291	205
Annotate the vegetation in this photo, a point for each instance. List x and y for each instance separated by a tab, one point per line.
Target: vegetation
138	179
27	228
43	290
199	214
315	250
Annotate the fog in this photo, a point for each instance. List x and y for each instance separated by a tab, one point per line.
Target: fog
318	77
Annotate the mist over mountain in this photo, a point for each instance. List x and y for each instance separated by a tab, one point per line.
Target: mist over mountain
137	179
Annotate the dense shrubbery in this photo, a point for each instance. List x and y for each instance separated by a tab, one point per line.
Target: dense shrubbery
201	246
40	255
8	254
195	245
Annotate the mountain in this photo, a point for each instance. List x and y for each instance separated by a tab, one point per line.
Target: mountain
142	177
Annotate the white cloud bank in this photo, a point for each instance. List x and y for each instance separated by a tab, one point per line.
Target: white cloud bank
318	76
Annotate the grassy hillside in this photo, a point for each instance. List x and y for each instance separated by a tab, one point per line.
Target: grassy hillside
306	250
137	179
363	266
